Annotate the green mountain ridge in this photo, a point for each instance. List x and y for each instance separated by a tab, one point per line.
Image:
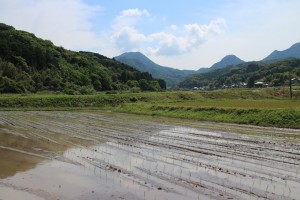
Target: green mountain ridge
292	52
273	70
276	73
226	61
172	76
141	62
31	64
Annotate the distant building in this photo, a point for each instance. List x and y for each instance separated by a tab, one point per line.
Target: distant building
260	85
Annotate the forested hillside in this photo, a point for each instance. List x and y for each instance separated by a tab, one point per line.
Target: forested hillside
30	64
141	62
277	73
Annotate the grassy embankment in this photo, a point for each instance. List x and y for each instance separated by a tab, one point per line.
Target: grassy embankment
265	107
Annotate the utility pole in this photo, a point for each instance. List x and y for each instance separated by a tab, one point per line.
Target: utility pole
290	83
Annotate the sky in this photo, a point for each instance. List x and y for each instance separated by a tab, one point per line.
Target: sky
188	34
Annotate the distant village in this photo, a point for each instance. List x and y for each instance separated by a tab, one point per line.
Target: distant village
258	84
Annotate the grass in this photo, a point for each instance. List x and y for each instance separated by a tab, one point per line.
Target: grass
239	103
264	107
260	116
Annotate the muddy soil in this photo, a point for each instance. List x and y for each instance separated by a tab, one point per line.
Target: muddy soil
104	155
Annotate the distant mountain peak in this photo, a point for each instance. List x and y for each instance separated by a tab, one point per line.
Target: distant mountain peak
133	53
292	52
137	60
143	63
297	45
227	60
230	56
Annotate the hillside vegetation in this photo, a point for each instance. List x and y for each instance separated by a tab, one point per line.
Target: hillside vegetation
30	64
276	73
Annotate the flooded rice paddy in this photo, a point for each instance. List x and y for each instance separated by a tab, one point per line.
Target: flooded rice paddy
103	155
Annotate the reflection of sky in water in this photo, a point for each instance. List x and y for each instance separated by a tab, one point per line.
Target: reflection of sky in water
10	193
180	154
148	160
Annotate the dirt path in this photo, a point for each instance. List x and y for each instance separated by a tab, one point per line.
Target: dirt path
102	155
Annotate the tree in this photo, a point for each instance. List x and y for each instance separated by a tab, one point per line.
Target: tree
9	70
154	86
106	81
96	82
162	84
132	83
250	82
144	85
8	85
298	72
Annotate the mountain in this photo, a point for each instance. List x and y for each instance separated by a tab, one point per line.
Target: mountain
227	60
273	70
276	73
292	52
31	64
141	62
203	70
170	75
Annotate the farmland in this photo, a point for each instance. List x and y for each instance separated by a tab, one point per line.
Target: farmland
122	156
264	107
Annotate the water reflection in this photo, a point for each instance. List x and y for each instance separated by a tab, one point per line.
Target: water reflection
94	155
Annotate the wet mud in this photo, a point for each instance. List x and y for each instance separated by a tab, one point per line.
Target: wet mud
103	155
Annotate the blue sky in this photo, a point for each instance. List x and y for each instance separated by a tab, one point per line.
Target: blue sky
186	34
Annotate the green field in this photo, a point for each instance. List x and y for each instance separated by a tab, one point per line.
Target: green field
260	104
264	107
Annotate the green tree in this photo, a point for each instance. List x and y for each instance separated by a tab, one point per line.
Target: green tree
132	83
9	70
250	82
154	86
144	85
162	84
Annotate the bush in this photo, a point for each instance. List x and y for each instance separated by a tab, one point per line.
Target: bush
133	99
71	91
87	90
135	89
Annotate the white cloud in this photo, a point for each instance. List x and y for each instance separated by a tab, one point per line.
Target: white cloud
165	44
129	18
70	23
193	36
171	41
133	12
251	33
66	23
125	35
129	39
